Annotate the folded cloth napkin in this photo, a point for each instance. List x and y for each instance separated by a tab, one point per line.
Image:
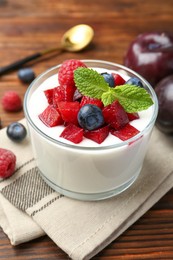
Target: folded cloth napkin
81	229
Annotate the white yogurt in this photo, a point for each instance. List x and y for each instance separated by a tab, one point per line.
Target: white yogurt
87	170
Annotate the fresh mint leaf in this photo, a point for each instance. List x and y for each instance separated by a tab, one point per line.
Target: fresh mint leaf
108	97
90	83
132	98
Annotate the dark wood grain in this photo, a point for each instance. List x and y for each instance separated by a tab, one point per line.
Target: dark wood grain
27	27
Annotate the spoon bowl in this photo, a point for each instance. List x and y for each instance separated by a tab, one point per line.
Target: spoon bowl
75	39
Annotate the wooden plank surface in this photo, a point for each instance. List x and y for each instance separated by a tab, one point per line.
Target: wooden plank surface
30	26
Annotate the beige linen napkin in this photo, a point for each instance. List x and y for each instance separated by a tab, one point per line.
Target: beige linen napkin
18	226
81	229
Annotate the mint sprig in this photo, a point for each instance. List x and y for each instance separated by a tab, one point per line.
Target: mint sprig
90	83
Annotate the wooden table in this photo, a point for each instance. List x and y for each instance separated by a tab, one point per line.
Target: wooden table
30	26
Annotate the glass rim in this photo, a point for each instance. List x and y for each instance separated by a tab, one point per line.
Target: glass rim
94	148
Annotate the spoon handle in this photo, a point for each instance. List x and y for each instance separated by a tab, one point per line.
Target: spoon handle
18	64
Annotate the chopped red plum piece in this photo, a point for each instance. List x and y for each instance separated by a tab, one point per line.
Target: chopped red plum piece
118	80
93	101
58	96
115	115
98	135
49	95
133	116
50	117
125	133
72	133
69	111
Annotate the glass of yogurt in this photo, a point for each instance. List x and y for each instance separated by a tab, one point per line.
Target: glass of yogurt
87	171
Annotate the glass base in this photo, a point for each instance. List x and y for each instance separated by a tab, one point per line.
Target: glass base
90	196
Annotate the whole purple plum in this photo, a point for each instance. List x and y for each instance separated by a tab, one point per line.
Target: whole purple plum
151	55
164	92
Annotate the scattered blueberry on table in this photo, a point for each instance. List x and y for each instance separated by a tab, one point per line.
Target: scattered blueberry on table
16	131
26	75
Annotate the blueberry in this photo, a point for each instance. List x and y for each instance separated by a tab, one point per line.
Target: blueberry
26	75
90	117
109	79
134	81
16	132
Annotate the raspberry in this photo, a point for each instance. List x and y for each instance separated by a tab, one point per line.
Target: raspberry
7	163
66	72
11	101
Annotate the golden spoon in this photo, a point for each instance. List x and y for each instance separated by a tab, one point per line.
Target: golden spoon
75	39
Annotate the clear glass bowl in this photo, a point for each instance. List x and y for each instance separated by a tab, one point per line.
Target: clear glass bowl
88	173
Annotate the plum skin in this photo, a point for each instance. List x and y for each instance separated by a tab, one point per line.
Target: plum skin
143	57
164	92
